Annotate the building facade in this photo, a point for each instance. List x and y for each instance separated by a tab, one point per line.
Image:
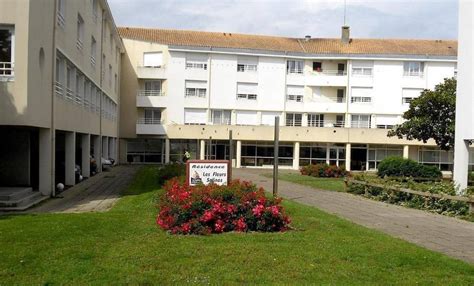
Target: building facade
336	98
59	85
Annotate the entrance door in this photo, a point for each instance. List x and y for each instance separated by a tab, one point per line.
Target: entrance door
358	159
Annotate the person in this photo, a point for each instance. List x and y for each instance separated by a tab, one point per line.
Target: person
186	156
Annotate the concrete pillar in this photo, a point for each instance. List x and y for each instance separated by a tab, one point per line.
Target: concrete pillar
98	152
461	163
347	122
70	161
202	150
238	154
46	164
406	151
167	150
86	151
304	119
296	155
105	147
348	156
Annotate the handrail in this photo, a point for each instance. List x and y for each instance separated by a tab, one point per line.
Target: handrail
329	72
156	92
151	121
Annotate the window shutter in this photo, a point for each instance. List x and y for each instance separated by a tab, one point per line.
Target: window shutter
196	84
195	116
295	90
246	88
246	117
268	118
153	59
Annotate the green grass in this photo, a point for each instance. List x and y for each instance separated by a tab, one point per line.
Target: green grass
330	184
125	246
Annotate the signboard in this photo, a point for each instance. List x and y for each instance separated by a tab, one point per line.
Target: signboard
207	172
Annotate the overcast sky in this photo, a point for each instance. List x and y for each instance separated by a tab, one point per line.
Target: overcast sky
422	19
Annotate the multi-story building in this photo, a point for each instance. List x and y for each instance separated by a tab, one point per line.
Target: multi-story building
59	92
336	97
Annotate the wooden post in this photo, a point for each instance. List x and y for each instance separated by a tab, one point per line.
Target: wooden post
231	148
275	156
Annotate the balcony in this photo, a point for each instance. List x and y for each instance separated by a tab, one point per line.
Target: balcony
151	72
150	126
326	123
151	98
6	71
326	78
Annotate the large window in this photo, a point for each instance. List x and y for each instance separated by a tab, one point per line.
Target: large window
80	32
316	120
408	94
295	67
195	88
413	68
220	117
154	59
247	64
377	153
362	68
152	116
145	150
93	51
152	88
261	154
178	147
196	61
436	157
195	116
295	93
247	91
360	121
61	13
246	117
313	154
361	95
294	119
6	50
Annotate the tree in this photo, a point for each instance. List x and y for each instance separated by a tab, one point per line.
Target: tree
431	116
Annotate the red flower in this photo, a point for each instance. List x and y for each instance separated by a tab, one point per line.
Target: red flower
240	224
186	227
258	210
219	226
275	211
207	216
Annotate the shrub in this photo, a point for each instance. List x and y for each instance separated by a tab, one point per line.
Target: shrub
323	171
169	171
401	167
206	209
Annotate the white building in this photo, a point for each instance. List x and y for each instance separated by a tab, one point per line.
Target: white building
336	97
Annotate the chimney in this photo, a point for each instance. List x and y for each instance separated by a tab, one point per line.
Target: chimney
345	37
307	38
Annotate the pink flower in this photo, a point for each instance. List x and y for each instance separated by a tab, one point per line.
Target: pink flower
186	227
207	216
258	210
275	211
219	226
240	224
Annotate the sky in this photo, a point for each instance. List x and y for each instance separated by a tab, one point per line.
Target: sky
417	19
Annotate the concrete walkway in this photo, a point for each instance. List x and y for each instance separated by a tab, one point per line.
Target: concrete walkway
440	233
96	194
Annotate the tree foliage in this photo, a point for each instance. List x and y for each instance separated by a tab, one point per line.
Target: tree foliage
431	116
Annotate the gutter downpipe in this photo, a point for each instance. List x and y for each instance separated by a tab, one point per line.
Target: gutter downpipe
53	73
102	73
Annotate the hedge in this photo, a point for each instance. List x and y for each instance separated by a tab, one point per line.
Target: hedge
401	167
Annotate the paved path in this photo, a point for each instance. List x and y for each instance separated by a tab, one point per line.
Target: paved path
440	233
96	194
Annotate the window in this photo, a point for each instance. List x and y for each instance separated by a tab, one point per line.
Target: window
116	83
196	88
268	117
153	86
196	61
386	121
79	88
413	68
247	64
87	93
103	66
111	42
340	96
110	76
436	157
261	153
60	75
316	120
408	94
93	51
153	59
313	154
7	50
61	13
152	116
246	117
195	116
360	121
247	91
293	119
220	117
377	153
295	93
80	32
70	77
94	10
317	66
295	67
362	68
361	95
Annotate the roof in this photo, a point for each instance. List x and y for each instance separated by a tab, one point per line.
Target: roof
292	45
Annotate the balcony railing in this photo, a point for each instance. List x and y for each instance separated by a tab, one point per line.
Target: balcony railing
326	123
329	72
59	89
293	122
413	73
69	94
6	69
360	124
151	93
151	121
221	121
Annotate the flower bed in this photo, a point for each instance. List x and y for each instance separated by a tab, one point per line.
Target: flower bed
324	171
240	206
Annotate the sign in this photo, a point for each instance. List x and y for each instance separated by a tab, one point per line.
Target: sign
207	172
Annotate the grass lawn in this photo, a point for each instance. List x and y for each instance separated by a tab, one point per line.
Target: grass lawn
125	246
330	184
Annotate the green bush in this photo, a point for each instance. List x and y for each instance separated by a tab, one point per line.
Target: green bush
401	167
324	171
169	171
